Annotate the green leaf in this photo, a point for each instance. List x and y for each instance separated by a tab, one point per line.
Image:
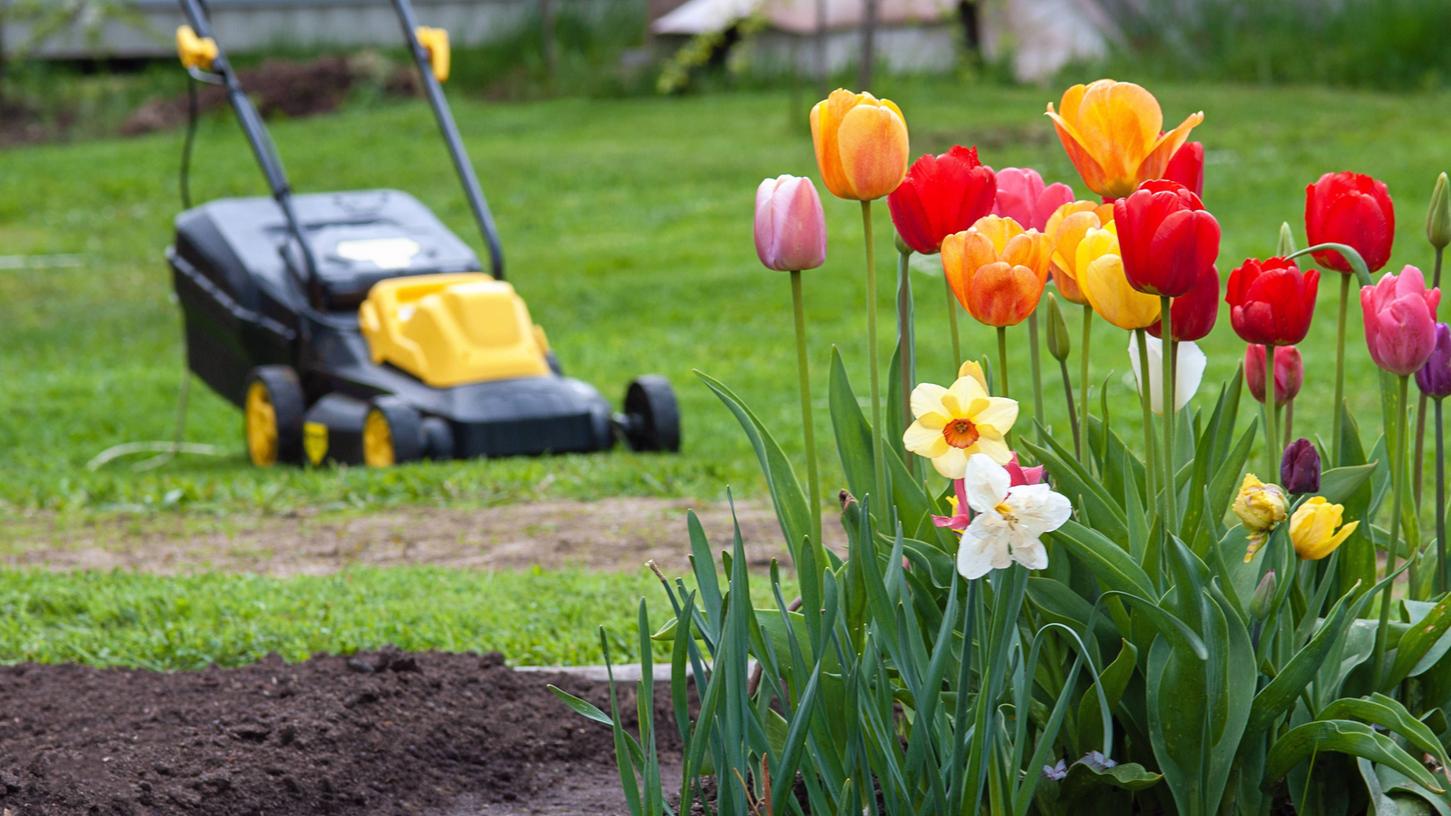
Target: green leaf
1280	694
853	434
1110	563
1421	640
1345	737
1071	479
1084	775
1114	679
1338	485
1379	709
581	707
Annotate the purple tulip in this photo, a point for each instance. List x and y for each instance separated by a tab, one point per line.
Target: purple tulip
1434	377
790	227
1300	468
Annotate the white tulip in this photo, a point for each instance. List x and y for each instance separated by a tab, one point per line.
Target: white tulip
1187	376
1008	521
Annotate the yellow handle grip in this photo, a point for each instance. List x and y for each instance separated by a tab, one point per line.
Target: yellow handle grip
194	51
435	42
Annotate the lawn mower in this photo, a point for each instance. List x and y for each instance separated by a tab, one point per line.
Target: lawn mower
355	328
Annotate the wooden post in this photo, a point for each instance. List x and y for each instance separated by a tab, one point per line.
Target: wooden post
869	45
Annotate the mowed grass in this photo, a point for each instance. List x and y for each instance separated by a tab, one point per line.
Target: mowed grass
627	226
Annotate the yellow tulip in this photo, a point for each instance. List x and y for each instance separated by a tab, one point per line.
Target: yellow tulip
1065	228
1260	507
1112	132
861	144
1313	528
1100	275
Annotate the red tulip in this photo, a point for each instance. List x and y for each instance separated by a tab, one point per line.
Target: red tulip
1271	302
941	195
1187	167
1023	197
1352	209
1289	372
1400	321
1166	236
1193	314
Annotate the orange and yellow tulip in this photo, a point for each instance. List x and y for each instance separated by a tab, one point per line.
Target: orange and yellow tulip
1101	277
1066	227
997	269
861	144
1112	134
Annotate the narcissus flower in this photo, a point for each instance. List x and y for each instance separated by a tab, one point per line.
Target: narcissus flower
951	424
1352	209
961	512
1187	167
1260	507
1289	372
1113	134
997	269
1188	371
1315	529
1102	280
1167	236
1194	313
1065	228
1009	521
1300	467
1271	302
790	228
1023	197
1400	321
941	195
861	144
1434	378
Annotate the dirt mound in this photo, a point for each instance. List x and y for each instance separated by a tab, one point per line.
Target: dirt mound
377	733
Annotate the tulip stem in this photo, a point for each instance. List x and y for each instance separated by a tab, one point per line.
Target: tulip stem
1072	412
1398	478
906	339
1289	434
1003	360
1445	569
807	424
878	455
1083	362
1151	455
1339	407
1038	416
1272	407
1166	370
1418	458
952	322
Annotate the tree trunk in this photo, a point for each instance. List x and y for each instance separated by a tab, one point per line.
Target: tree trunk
869	45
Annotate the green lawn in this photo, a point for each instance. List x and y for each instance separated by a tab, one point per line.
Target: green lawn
627	225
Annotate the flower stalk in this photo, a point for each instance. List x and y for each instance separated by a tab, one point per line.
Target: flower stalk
1083	360
1171	516
952	321
879	461
1337	421
1398	478
1036	368
1151	455
906	336
808	425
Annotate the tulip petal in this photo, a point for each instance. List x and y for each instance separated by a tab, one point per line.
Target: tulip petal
872	141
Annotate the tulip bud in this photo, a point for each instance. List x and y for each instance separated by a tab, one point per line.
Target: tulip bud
1287	241
1259	604
790	227
1434	378
903	248
1438	218
1300	467
1260	507
1058	342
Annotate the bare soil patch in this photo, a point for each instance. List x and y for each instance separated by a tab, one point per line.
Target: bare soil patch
377	733
618	534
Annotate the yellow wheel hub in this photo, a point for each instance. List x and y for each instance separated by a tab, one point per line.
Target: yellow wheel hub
261	425
377	441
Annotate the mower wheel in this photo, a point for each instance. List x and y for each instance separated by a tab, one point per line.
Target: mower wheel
272	413
652	416
392	433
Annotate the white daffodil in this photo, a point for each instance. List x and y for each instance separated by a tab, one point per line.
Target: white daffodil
1008	520
1187	376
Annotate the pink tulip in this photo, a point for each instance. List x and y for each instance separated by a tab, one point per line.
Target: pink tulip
1400	321
790	227
1023	198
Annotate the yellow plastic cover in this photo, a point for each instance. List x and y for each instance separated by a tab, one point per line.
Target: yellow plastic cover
435	42
193	51
453	329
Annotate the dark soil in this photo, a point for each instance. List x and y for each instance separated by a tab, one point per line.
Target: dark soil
377	733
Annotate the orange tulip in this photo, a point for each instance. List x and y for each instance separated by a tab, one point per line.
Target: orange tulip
997	269
1066	227
1111	131
861	144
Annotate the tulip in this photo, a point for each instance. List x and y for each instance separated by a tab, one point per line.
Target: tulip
1187	167
1102	279
1300	467
1193	315
1065	228
1167	236
1289	372
1023	197
1400	321
1434	378
997	270
1260	507
1189	366
1271	302
1112	132
1315	529
1352	209
1438	215
1259	602
861	144
790	227
941	195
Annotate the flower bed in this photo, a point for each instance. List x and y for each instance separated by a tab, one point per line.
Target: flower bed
1216	618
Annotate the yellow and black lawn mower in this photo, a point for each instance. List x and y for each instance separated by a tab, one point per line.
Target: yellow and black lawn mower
354	327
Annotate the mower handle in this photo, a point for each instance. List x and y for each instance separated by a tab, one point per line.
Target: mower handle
263	148
434	91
